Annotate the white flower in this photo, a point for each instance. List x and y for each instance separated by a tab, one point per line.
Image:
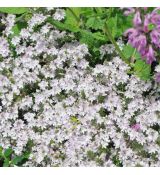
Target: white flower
59	14
15	41
4	47
157	69
71	113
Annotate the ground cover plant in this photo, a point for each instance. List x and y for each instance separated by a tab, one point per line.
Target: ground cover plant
79	87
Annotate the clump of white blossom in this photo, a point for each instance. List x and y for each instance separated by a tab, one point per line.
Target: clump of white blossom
69	113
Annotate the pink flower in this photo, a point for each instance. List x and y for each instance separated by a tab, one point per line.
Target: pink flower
136	127
137	19
155	18
150	55
140	43
146	23
155	37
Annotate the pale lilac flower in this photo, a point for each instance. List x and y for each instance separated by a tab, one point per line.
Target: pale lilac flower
4	47
157	77
128	11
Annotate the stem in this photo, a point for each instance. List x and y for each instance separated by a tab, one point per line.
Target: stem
109	35
133	56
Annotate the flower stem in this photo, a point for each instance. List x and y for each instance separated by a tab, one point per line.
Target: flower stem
109	35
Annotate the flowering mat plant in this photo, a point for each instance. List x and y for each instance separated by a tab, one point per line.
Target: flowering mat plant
79	87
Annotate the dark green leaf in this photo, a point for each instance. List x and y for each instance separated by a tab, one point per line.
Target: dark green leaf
17	160
6	163
8	152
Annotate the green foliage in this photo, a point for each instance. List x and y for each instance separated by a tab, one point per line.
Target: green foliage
18	27
8	152
101	99
151	26
73	17
142	69
116	161
103	112
14	10
9	159
89	25
91	155
158	141
128	51
95	23
136	146
87	38
62	26
112	24
74	119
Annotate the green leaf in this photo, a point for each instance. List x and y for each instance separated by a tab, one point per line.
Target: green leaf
74	10
95	23
17	160
87	11
26	155
62	26
74	119
112	24
91	155
99	36
6	163
8	152
17	28
14	10
87	38
151	26
73	18
128	51
1	151
142	69
123	24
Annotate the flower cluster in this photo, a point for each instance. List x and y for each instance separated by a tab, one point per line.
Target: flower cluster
67	113
145	34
